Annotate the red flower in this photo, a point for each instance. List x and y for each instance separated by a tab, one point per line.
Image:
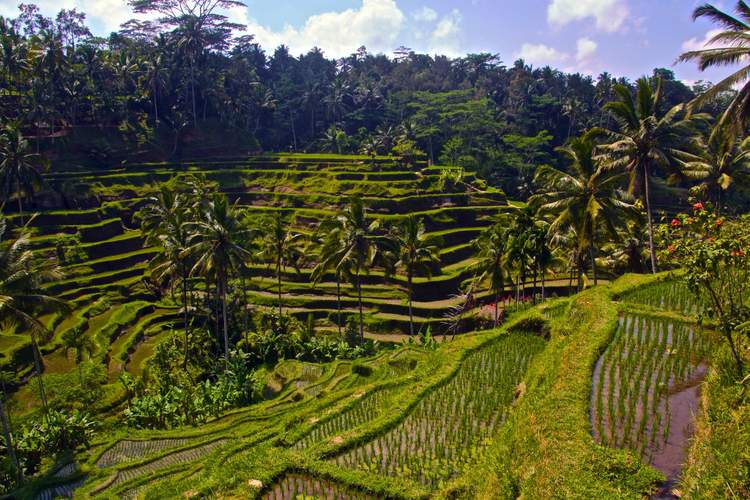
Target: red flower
719	222
711	239
698	206
670	248
675	223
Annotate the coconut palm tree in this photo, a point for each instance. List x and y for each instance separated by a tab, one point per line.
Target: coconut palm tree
492	262
74	339
164	223
281	246
417	253
215	249
22	296
586	199
19	175
645	140
730	46
364	245
719	162
329	239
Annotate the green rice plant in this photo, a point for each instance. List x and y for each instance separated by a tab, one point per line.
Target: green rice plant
127	450
446	429
302	486
670	295
368	407
648	360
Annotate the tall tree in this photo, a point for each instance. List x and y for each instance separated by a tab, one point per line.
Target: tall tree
645	140
364	245
281	246
329	238
492	262
81	345
164	223
214	246
729	47
417	253
719	163
586	199
22	296
194	26
19	174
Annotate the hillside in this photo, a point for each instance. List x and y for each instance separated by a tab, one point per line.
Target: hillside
104	257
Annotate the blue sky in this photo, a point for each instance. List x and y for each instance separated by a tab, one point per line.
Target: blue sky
624	37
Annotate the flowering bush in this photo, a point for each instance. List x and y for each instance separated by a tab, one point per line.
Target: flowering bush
715	253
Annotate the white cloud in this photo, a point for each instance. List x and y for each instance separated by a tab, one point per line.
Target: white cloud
610	15
586	48
446	37
425	14
541	55
697	44
103	16
376	24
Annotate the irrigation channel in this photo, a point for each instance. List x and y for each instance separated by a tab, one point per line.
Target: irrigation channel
646	389
445	430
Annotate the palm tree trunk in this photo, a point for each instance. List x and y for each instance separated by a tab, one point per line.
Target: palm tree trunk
593	263
543	283
647	195
185	315
20	203
224	316
497	310
338	300
533	290
38	366
570	276
192	89
278	281
411	314
359	299
156	108
9	442
294	133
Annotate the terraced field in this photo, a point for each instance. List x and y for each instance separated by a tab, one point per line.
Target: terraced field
105	260
423	422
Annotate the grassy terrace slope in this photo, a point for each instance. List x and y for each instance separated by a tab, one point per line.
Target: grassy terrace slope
497	414
104	256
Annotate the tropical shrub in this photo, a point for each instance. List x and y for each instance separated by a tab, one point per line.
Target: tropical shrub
714	252
59	431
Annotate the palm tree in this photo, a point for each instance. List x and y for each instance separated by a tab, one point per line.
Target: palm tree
645	140
734	41
213	244
164	222
541	253
22	296
492	262
363	246
329	238
585	200
719	162
18	167
417	252
74	339
280	246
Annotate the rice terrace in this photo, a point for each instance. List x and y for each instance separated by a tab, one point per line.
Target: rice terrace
269	250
